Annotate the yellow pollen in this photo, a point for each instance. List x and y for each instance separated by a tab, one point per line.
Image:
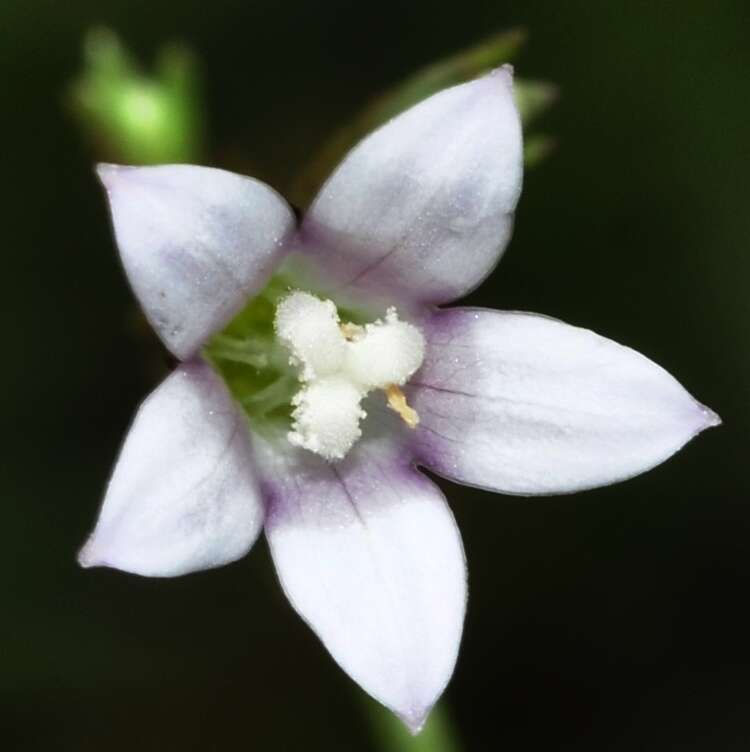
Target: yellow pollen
397	402
350	331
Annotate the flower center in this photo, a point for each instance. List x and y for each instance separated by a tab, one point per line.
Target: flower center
292	361
339	364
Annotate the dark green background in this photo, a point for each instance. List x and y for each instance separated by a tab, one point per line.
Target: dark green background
610	620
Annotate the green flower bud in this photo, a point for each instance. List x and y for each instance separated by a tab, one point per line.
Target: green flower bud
134	117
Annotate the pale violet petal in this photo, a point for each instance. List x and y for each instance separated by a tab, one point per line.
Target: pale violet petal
525	404
369	555
423	208
195	242
183	495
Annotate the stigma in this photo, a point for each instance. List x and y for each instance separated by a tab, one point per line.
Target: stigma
339	364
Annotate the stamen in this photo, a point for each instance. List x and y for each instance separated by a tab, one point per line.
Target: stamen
326	417
397	402
388	352
351	331
309	328
339	364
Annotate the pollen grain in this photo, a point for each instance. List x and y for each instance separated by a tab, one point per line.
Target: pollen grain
397	402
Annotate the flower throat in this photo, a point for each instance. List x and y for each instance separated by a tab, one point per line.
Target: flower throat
289	358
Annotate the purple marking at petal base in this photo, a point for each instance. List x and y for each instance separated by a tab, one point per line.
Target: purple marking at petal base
369	555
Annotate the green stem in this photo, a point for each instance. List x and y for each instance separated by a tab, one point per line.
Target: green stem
390	735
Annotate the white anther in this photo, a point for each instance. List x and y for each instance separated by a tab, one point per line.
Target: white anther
339	365
326	417
389	352
309	327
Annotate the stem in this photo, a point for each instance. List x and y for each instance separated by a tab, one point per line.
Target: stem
390	735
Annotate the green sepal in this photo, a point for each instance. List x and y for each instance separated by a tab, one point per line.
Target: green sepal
536	148
533	98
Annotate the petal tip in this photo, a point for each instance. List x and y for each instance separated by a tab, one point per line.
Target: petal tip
87	556
415	719
505	73
711	419
107	172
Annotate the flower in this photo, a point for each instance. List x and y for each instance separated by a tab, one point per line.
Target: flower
307	336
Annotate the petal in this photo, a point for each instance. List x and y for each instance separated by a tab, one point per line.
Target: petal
195	242
524	404
183	495
369	555
424	206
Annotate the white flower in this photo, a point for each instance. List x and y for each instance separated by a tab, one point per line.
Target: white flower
365	545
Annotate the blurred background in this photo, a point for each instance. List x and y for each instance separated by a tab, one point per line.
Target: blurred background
609	620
